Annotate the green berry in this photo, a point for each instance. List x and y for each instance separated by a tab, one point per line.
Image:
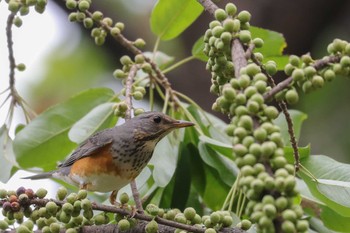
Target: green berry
21	67
71	198
67	208
298	75
41	193
125	60
210	230
260	86
190	213
151	227
3	193
217	31
100	40
138	111
97	16
260	134
329	75
137	95
55	227
253	106
214	23
252	69
22	229
231	9
249	159
124	198
61	193
302	225
292	96
72	17
268	148
220	14
258	42
307	86
152	209
317	81
71	230
244	16
294	60
245	224
245	36
51	207
86	204
309	71
271	112
246	122
82	194
139	43
255	149
215	218
83	5
244	81
270	210
180	218
107	21
13	6
247	170
288	69
229	92
124	225
146	67
288	227
289	215
17	21
88	23
29	224
227	221
120	25
71	4
230	25
271	67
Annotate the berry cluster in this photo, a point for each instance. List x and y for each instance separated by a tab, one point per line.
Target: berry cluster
266	179
23	7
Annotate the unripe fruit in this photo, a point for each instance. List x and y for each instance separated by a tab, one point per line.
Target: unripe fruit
241	98
229	92
3	193
246	122
307	86
244	81
220	14
86	204
302	225
61	193
88	23
180	218
22	229
97	15
244	16
217	31
51	207
329	75
288	227
138	111
298	75
3	225
271	67
71	4
279	162
255	149
247	170
292	96
71	230
281	203
265	222
245	36
151	227
288	69
231	9
245	224
260	134
260	86
152	209
271	112
294	60
83	5
258	42
41	193
125	60
82	194
270	210
124	198
289	215
215	218
230	25
317	81
100	40
249	159
309	71
146	67
210	230
123	225
190	213
139	43
67	208
21	67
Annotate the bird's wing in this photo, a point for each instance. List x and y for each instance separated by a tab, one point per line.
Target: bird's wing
92	145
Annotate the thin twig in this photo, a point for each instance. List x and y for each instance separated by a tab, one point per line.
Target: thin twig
238	56
128	101
209	6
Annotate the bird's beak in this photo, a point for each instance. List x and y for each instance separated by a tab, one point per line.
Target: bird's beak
182	124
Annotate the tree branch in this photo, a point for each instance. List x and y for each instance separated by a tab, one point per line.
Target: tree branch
209	6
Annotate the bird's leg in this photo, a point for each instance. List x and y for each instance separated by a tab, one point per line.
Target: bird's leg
113	197
136	196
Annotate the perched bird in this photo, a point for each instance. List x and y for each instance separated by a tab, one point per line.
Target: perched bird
112	158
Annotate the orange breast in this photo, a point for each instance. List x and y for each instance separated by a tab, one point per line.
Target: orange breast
99	163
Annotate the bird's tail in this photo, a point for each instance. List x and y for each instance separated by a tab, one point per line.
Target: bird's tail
44	175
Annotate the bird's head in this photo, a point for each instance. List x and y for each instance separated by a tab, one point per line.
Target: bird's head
153	126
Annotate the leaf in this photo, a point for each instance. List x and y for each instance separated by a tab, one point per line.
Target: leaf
164	160
100	117
304	152
297	118
197	50
334	221
7	157
281	61
170	18
226	168
318	226
332	187
222	148
44	141
215	189
274	42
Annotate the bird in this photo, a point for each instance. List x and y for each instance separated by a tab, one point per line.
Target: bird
110	159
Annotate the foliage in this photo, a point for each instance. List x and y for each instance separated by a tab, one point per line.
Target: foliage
250	169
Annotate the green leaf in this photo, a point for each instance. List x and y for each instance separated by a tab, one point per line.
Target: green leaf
332	185
164	160
170	18
226	168
44	141
197	50
100	117
297	118
318	226
274	42
7	157
215	190
334	221
222	148
304	152
281	61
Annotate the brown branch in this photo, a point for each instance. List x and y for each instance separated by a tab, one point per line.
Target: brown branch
165	226
209	6
238	56
318	64
10	50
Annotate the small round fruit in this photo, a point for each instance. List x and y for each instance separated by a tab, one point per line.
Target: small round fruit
231	9
288	227
329	75
317	81
245	224
271	67
190	213
244	16
220	14
151	227
41	193
245	36
124	225
292	96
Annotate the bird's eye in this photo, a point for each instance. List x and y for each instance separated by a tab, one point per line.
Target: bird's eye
157	119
